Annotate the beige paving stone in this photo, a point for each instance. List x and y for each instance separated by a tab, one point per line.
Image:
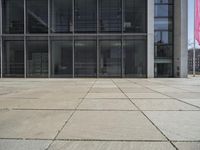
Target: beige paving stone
41	103
107	104
24	144
188	95
105	95
110	125
31	124
162	104
188	145
136	90
105	90
146	95
195	102
95	145
177	125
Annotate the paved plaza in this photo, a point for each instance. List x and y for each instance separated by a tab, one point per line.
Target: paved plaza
100	114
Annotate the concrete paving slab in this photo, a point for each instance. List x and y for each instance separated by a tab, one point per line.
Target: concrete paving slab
110	125
188	95
107	104
105	95
146	95
24	144
162	104
16	103
95	145
31	124
136	90
176	125
195	102
188	145
105	90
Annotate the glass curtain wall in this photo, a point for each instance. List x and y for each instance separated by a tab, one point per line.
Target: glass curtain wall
85	58
61	16
13	57
135	58
74	38
164	38
13	20
37	57
61	57
85	16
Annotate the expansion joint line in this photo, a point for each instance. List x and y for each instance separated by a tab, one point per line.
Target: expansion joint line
146	116
59	131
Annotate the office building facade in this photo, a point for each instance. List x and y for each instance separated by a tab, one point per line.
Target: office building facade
93	38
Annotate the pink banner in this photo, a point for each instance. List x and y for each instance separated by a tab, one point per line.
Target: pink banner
197	21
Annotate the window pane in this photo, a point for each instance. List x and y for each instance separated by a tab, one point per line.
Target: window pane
135	16
37	58
135	58
110	16
61	57
61	16
37	16
85	16
110	59
85	58
163	51
163	37
13	59
163	10
163	70
163	24
13	16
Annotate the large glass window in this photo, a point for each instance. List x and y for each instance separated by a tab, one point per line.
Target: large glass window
110	58
163	70
61	58
85	16
37	57
13	16
13	58
164	38
110	17
85	58
135	58
135	16
61	16
37	16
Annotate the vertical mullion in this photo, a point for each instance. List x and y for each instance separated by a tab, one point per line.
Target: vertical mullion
97	37
73	38
122	40
49	43
1	50
25	63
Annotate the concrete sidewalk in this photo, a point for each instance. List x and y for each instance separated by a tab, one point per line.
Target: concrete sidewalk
100	114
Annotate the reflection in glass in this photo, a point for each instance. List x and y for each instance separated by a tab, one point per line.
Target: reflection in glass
110	58
163	70
37	58
163	51
135	16
110	16
37	16
85	16
13	59
61	57
13	16
85	58
61	16
135	56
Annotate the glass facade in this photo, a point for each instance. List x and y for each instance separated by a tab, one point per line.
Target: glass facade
83	38
164	38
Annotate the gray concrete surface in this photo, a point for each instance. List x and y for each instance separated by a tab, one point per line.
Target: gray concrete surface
100	114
